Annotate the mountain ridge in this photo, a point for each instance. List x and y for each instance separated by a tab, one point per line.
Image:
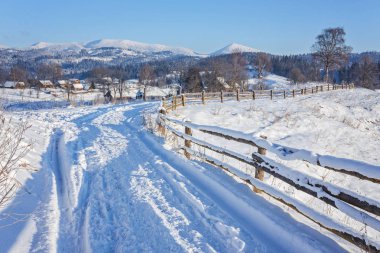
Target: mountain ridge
131	45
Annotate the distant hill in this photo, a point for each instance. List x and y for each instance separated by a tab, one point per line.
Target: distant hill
234	47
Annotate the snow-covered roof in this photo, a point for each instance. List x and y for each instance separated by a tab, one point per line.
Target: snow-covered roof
155	92
62	82
223	82
77	86
12	84
46	82
74	80
108	79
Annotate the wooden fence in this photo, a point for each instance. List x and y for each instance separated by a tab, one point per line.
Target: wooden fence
203	97
358	207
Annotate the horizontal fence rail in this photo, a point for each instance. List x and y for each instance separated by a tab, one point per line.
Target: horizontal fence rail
202	97
359	208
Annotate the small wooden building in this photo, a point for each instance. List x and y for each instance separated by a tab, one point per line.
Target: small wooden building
14	85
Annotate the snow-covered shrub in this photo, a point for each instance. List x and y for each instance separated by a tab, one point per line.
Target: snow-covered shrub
12	149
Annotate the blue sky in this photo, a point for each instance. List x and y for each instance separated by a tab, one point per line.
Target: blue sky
280	27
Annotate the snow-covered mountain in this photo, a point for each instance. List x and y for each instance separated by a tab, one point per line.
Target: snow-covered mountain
139	47
129	45
234	47
55	46
77	57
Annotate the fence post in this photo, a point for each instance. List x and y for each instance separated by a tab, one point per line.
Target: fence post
259	173
183	99
163	103
304	91
237	95
316	89
175	102
144	94
221	96
253	95
188	142
293	93
161	127
203	97
284	94
271	94
321	87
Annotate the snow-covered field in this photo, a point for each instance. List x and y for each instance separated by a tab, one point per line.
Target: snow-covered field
21	99
276	82
105	183
342	124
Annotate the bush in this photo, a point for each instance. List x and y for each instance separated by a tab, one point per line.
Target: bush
12	149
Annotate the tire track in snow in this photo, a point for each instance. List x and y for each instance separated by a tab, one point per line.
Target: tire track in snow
204	227
263	227
134	198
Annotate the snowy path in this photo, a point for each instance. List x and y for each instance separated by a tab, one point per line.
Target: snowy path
114	188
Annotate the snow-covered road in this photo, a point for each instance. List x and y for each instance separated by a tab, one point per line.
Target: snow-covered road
108	185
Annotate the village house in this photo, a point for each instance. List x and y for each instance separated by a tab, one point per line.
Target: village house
73	84
46	84
14	85
76	86
63	83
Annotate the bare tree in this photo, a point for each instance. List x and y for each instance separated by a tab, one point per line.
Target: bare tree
68	90
217	74
119	73
262	63
51	72
43	72
12	149
238	72
99	75
193	80
296	75
3	76
330	49
56	72
18	74
366	73
146	74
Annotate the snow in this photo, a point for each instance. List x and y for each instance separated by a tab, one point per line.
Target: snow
138	46
56	46
78	86
11	84
337	129
287	153
129	47
234	47
104	183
